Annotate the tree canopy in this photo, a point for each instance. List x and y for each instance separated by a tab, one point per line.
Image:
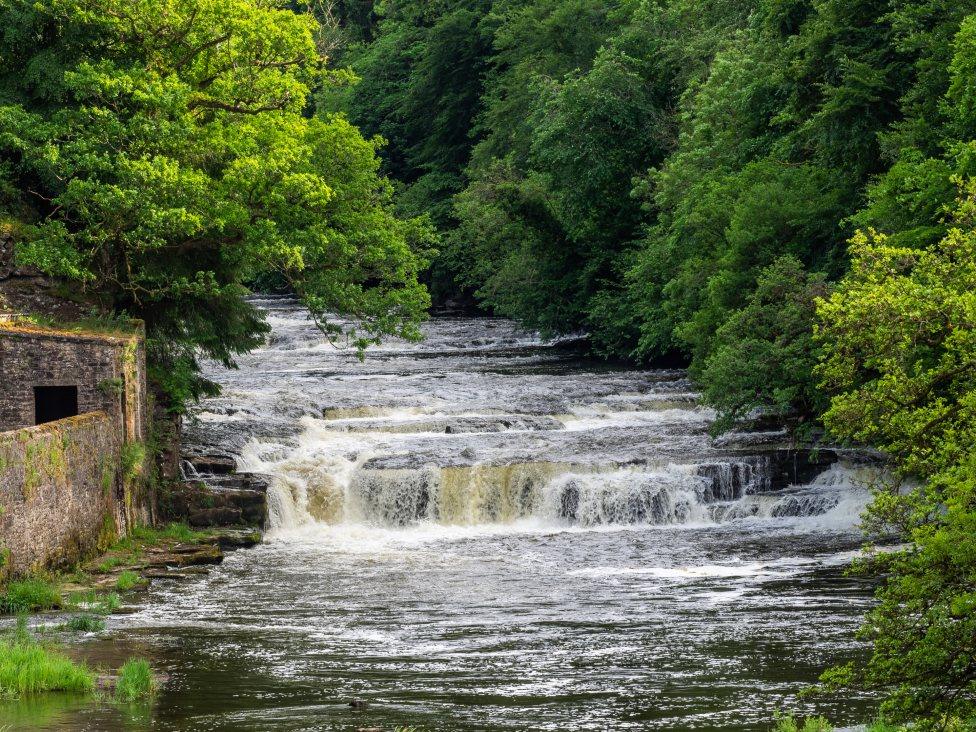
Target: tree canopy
160	154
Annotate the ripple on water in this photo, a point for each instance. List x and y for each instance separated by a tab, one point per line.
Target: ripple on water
482	531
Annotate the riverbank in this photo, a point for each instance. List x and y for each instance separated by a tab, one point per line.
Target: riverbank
46	614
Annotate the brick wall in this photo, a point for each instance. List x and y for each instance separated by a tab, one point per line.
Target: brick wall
61	492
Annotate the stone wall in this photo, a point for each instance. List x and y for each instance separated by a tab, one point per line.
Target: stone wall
61	492
108	370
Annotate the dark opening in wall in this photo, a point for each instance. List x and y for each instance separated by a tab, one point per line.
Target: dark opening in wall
54	402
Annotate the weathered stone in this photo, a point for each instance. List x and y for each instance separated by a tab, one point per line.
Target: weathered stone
223	500
187	555
59	488
215	517
63	488
229	539
213	464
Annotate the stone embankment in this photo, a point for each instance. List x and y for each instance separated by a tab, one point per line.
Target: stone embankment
214	494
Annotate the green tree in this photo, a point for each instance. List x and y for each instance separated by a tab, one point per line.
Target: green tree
159	155
899	343
764	355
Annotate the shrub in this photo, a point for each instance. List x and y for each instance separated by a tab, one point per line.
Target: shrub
127	580
135	681
811	724
764	353
90	600
85	623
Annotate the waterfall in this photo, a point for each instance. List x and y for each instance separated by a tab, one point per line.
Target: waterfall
323	490
484	425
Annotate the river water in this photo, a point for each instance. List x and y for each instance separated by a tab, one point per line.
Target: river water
484	531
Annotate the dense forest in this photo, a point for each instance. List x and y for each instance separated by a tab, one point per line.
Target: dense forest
674	178
779	193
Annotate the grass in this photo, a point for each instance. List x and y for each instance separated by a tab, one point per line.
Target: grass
127	580
110	563
91	325
810	724
91	601
34	593
129	549
820	724
28	667
135	681
84	623
133	457
171	532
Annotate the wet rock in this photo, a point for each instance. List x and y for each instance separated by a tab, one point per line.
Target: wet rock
214	464
186	555
230	539
569	501
358	704
223	500
221	516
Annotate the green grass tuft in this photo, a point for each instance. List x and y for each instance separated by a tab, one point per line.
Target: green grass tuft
172	532
133	458
35	593
28	667
91	601
110	563
810	724
127	580
135	681
85	623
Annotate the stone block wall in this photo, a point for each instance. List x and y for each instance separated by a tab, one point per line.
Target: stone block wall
61	492
68	484
107	369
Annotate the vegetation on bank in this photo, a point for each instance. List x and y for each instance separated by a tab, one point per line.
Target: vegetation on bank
29	595
157	156
84	589
28	666
31	665
136	681
821	724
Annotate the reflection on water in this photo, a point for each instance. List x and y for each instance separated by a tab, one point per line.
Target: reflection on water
483	532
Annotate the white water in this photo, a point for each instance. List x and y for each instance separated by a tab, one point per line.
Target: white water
484	532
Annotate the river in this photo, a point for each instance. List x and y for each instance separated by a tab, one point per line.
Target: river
484	531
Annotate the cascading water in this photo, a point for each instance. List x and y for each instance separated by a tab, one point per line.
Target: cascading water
485	531
400	467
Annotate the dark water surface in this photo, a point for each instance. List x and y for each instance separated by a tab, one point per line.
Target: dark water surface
484	532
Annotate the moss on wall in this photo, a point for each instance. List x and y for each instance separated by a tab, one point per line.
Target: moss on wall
53	488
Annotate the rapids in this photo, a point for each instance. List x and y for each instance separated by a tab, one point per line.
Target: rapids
484	531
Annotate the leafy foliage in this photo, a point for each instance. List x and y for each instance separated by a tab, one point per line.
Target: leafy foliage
764	350
159	155
899	337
